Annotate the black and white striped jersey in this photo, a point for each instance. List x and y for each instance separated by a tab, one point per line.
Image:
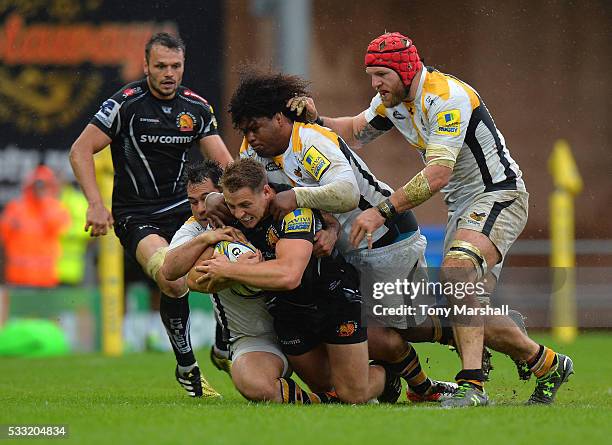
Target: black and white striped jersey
150	142
448	112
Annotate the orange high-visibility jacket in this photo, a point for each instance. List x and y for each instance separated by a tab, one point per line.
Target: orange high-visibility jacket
30	227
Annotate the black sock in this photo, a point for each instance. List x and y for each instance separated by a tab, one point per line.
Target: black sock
175	316
475	377
220	343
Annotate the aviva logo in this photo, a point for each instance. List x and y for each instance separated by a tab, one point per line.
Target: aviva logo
449	122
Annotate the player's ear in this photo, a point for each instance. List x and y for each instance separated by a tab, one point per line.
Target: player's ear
145	66
267	190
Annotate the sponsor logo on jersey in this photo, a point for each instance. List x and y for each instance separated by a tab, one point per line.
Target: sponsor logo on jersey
300	220
190	93
185	121
273	166
315	162
107	112
449	122
166	110
131	91
347	329
297	172
157	139
152	120
398	115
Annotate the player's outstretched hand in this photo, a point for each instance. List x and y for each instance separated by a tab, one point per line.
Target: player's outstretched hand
98	219
365	225
217	213
303	104
283	203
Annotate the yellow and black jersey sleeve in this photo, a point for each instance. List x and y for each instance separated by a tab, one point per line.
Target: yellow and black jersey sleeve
299	224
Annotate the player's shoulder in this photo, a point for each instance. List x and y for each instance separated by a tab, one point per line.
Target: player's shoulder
131	91
312	133
299	220
194	98
441	91
193	225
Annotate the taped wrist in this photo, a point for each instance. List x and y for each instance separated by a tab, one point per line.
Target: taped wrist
387	209
337	197
417	191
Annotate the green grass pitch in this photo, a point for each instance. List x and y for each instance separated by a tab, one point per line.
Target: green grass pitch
134	399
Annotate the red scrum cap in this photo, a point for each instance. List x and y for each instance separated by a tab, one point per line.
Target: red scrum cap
395	51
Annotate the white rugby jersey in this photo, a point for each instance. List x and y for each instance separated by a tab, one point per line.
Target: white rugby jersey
317	156
238	315
447	111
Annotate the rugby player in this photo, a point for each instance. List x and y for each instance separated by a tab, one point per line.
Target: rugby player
150	126
327	175
315	302
467	160
260	371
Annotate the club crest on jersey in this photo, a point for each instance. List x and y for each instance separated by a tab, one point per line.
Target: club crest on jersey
315	162
185	121
477	216
300	220
449	122
272	236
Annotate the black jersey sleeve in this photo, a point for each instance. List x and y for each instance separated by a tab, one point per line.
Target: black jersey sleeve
299	224
108	118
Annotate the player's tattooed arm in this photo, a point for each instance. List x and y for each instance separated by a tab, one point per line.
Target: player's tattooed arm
367	134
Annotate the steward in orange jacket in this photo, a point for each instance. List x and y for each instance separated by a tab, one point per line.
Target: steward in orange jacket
30	229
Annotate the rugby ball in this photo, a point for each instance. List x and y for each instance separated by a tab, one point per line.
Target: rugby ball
233	250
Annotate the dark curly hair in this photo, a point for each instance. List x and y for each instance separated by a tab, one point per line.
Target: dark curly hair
200	171
265	94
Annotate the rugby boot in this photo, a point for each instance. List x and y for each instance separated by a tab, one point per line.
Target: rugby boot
220	362
548	385
438	392
466	395
195	384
